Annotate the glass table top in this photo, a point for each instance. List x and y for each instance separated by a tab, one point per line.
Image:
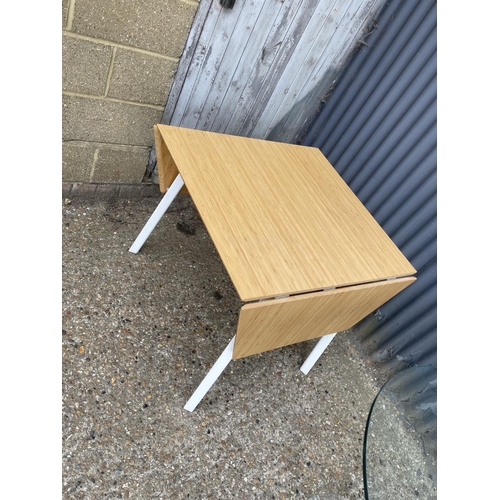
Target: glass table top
400	447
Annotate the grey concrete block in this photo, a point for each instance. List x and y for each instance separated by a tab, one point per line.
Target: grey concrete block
120	165
141	77
130	191
151	191
116	191
66	189
160	26
83	190
77	160
107	191
99	120
85	65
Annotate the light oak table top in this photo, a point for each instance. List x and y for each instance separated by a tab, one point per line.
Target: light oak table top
282	219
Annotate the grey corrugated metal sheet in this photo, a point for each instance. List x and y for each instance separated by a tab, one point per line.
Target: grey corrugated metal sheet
378	129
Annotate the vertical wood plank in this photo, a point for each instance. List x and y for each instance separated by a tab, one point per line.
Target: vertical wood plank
265	61
233	47
191	81
167	169
245	125
261	68
322	76
310	48
211	57
257	53
203	17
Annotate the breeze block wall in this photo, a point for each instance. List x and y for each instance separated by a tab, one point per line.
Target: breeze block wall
118	62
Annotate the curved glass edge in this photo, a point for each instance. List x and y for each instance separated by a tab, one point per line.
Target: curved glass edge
372	407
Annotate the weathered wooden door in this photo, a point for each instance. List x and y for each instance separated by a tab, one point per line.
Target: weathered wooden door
262	68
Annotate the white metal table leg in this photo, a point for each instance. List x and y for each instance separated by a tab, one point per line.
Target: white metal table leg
162	207
211	376
318	350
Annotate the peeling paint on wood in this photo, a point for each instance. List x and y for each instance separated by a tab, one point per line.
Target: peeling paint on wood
262	68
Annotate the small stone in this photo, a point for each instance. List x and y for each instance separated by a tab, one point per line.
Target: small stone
67	201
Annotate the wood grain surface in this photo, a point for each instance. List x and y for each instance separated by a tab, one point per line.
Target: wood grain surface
280	216
267	325
167	170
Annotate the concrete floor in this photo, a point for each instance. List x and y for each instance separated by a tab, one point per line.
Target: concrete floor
139	334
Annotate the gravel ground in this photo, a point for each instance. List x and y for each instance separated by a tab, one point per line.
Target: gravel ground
139	334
